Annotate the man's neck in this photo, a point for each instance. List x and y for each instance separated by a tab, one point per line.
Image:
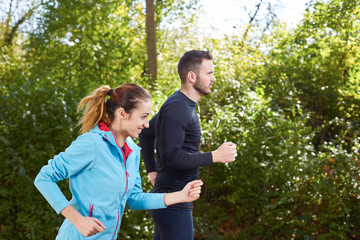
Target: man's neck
191	93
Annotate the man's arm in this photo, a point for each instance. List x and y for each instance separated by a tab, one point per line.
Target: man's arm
173	131
147	144
173	122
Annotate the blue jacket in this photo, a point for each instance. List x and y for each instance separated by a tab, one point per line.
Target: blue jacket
101	182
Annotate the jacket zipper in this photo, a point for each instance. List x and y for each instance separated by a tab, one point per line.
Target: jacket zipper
126	173
117	223
91	210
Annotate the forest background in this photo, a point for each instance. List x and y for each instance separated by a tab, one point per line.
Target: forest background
289	99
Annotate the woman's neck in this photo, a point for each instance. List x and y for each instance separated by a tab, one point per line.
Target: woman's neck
120	139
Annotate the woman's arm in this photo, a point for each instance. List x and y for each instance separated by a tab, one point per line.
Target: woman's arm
139	200
87	226
79	156
142	201
190	193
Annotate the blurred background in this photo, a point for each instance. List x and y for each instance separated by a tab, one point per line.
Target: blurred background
287	93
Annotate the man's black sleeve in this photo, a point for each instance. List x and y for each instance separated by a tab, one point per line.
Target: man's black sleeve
147	144
173	129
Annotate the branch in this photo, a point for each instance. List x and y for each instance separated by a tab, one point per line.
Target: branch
9	36
9	16
251	20
273	16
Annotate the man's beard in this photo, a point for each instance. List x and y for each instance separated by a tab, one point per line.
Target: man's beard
202	89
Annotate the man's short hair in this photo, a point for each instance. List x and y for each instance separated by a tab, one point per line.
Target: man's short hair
191	61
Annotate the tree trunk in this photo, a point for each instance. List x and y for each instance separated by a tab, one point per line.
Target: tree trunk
151	42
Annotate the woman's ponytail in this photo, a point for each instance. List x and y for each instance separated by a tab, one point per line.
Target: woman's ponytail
95	109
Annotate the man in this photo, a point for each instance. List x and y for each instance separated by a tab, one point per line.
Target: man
176	129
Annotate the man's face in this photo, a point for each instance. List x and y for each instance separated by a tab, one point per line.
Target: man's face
205	78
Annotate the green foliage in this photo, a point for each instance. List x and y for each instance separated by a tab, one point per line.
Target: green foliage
325	45
77	46
28	138
292	112
290	101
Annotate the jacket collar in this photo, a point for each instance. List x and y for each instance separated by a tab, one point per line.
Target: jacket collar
105	132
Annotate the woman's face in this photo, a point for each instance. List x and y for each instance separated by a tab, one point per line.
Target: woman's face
137	119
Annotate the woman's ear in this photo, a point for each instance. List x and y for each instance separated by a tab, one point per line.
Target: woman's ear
120	113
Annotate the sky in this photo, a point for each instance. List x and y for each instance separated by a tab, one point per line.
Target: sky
220	16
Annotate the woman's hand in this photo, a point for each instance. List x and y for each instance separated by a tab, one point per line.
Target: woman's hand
87	226
190	193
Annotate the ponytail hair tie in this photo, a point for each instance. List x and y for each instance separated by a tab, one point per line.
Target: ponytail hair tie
110	92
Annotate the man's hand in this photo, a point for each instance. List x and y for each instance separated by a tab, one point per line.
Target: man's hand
226	153
152	177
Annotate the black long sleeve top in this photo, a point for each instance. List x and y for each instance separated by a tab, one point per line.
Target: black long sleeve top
176	131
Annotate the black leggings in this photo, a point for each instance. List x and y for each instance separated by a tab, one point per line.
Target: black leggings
172	224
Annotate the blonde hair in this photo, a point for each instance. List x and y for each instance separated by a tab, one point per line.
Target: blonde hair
97	109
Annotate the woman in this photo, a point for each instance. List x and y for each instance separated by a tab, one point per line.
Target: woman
103	167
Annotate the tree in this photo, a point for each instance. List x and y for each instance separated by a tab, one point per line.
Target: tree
14	19
288	99
297	171
75	47
325	45
151	41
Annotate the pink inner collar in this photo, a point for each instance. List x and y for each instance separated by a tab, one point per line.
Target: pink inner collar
105	128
